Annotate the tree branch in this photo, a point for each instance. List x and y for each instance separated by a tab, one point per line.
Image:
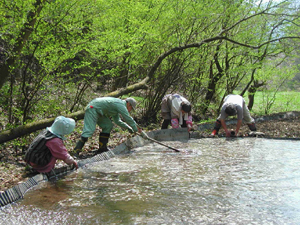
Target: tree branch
79	115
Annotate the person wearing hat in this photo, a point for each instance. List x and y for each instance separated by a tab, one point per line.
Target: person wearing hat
234	105
48	146
176	110
99	111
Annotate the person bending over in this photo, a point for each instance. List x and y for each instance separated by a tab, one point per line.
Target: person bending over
98	112
176	110
234	105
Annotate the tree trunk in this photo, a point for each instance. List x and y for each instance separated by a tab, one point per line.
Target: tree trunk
214	79
251	92
211	89
25	32
38	125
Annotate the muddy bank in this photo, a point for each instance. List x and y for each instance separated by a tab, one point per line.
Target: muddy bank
280	125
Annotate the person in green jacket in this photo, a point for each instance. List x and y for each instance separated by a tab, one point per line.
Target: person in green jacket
99	111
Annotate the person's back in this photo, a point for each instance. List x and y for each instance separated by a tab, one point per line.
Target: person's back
234	99
108	106
48	146
38	153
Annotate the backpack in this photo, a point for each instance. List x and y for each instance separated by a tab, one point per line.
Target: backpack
38	153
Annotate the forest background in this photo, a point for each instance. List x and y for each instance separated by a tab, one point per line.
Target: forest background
57	55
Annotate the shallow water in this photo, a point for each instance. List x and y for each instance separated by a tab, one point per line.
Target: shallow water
215	181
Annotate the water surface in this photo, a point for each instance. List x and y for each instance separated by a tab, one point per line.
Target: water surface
215	181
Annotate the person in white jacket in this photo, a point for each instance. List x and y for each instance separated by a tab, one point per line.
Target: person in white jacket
234	105
176	110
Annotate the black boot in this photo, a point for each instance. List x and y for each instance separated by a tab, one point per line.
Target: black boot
216	128
79	146
252	126
165	124
103	140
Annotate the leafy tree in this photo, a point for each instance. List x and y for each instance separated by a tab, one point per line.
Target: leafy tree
120	47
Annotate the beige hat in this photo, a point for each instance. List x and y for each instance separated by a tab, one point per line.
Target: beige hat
132	102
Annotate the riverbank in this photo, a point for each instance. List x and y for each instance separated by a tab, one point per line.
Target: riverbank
12	166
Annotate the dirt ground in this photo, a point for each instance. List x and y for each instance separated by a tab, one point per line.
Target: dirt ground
12	168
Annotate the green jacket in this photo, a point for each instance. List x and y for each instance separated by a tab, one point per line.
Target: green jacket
114	107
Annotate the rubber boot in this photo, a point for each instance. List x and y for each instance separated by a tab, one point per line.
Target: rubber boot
103	140
79	146
165	124
252	126
184	123
216	128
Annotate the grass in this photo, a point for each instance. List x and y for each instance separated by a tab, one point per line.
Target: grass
282	102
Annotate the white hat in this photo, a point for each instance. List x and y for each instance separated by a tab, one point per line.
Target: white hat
132	102
62	126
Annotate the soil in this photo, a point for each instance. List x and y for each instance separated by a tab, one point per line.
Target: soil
13	168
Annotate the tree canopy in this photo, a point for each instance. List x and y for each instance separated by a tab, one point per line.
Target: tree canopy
54	54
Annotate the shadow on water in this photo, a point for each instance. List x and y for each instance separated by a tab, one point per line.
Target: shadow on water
216	181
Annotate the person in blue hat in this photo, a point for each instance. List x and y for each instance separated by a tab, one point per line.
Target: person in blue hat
48	146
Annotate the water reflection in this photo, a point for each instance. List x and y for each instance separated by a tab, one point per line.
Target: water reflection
216	181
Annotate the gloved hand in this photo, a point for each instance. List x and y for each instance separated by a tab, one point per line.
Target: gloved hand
75	165
228	133
174	123
189	125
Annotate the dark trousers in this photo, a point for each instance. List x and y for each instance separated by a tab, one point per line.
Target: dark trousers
167	122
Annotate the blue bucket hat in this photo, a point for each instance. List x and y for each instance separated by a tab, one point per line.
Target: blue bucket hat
62	126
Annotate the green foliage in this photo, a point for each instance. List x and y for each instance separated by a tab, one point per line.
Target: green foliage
284	101
79	50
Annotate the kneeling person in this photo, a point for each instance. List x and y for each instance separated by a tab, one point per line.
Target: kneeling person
48	146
